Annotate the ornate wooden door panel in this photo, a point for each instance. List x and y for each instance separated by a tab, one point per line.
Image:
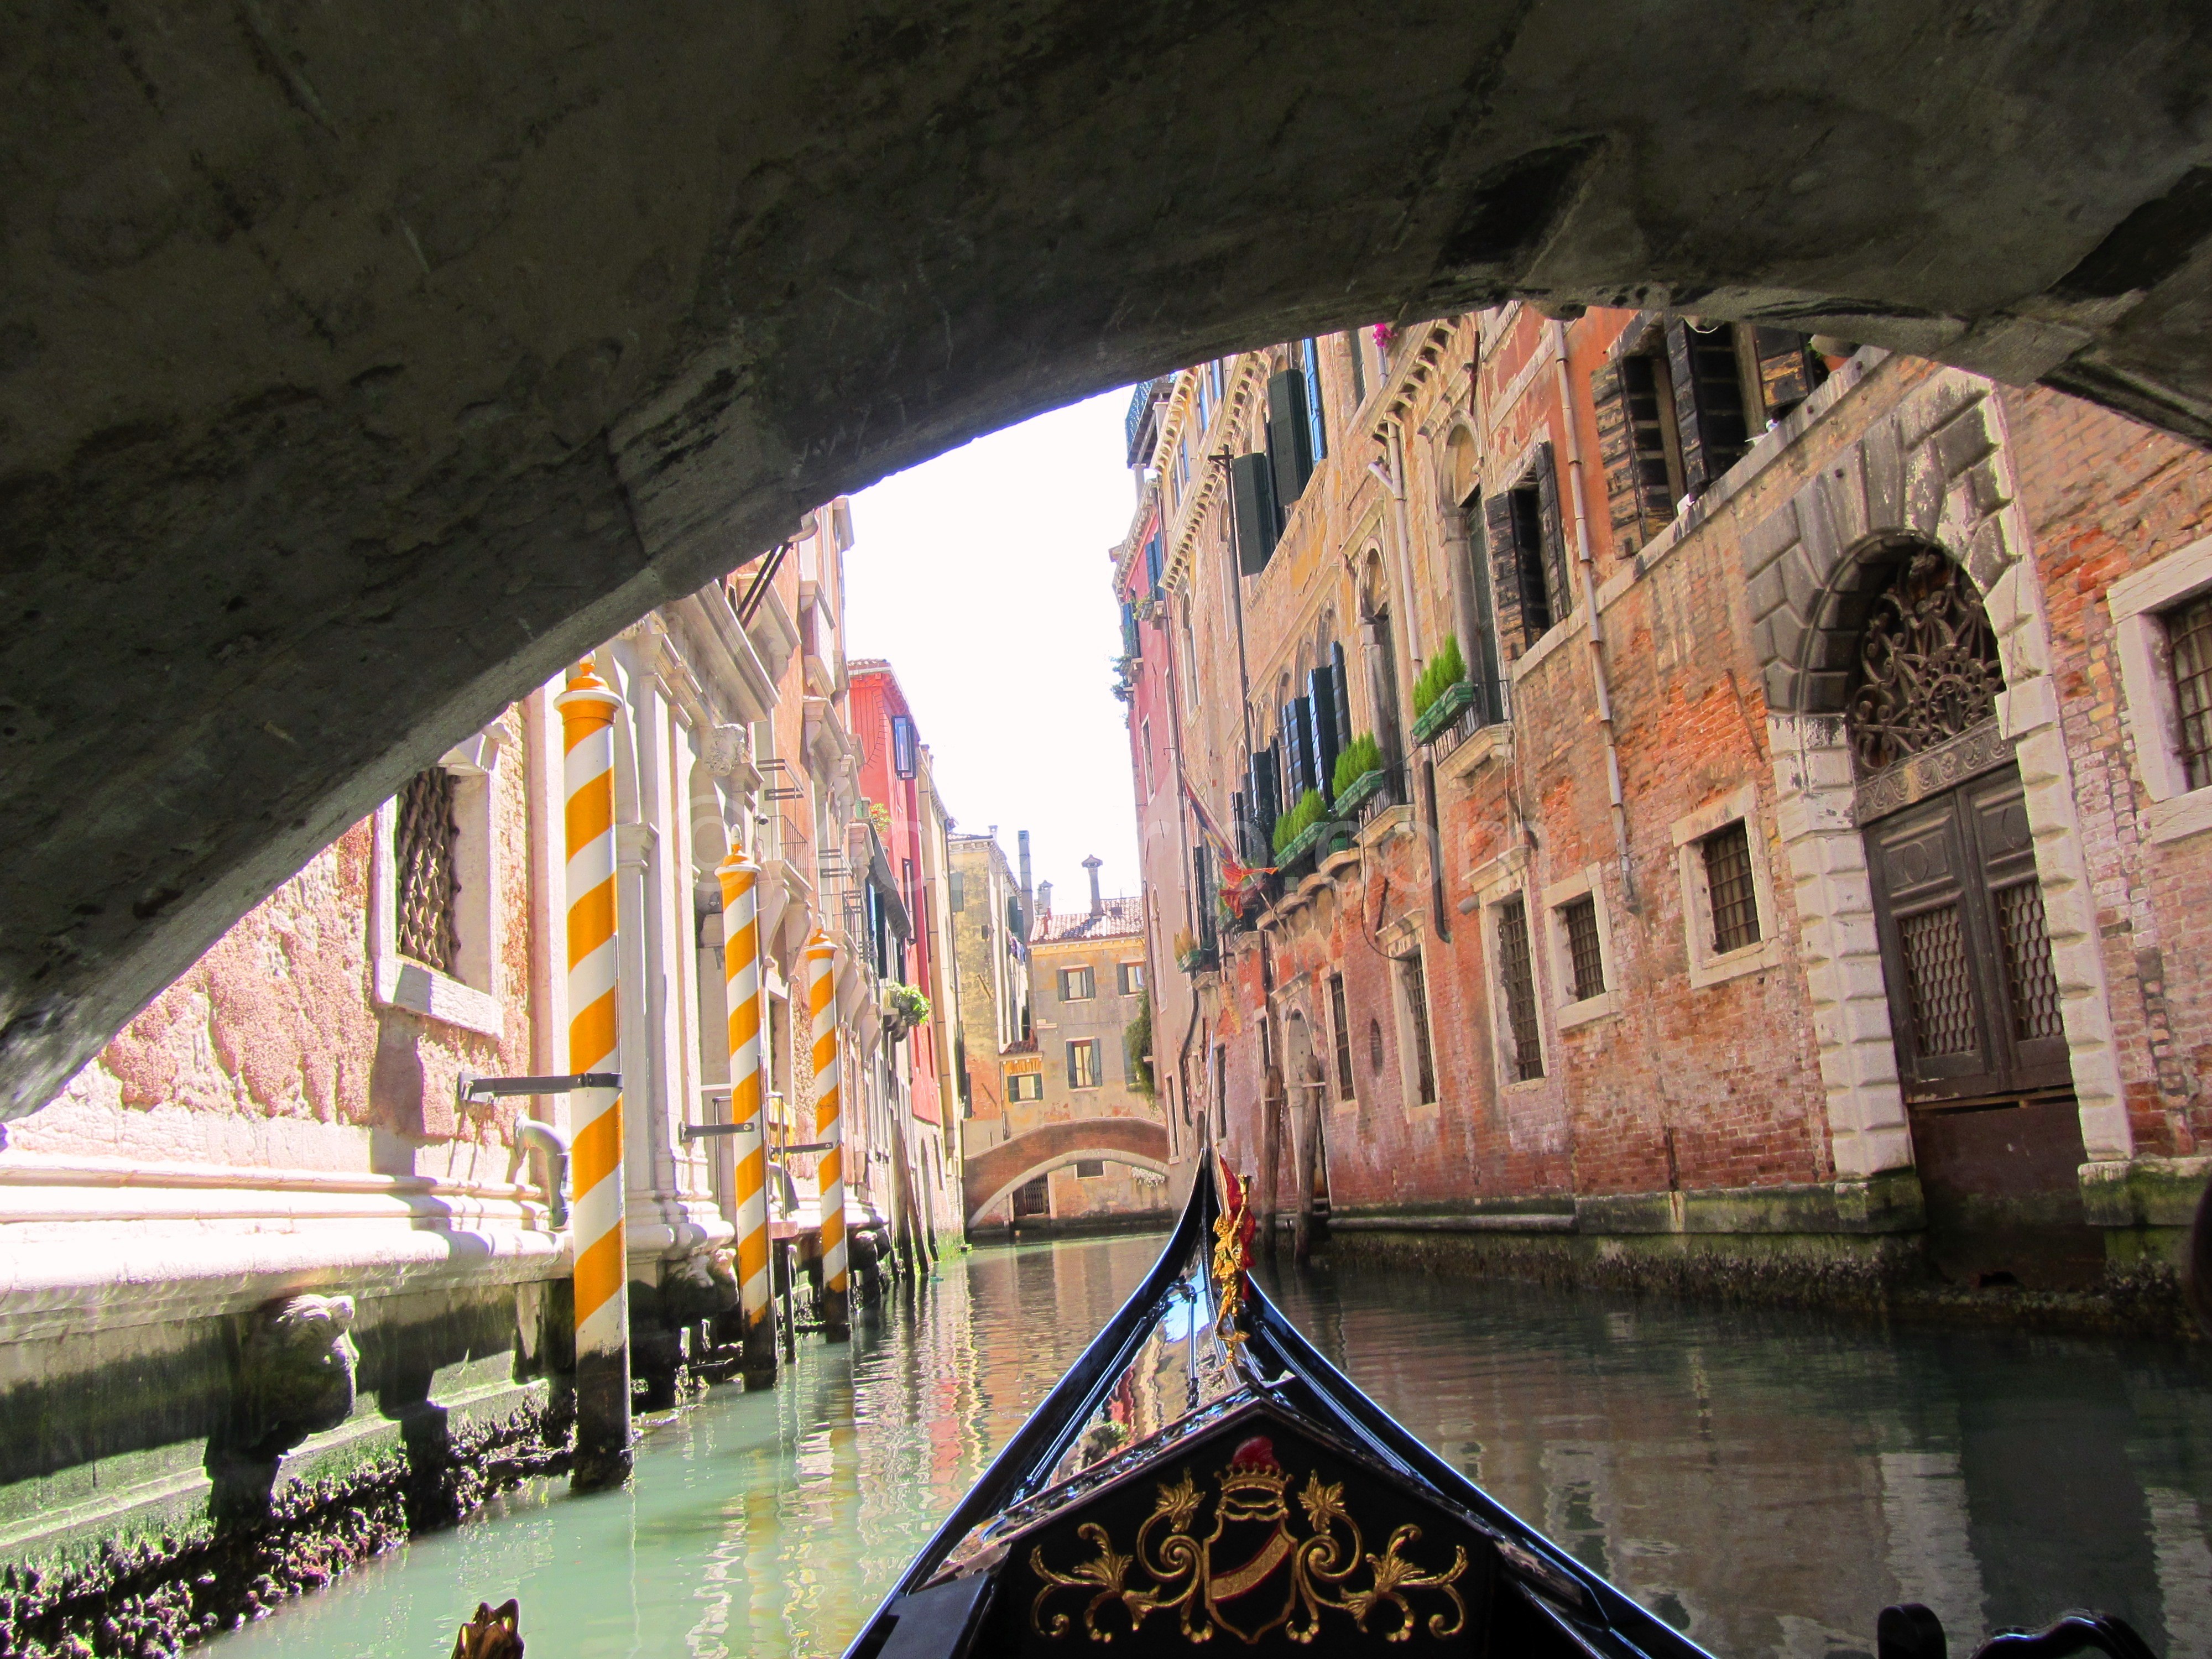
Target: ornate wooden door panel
1973	1002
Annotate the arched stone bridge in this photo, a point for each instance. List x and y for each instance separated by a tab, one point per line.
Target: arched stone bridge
990	1175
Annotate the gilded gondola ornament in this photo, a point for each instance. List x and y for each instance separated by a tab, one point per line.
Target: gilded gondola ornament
1232	1247
1223	1580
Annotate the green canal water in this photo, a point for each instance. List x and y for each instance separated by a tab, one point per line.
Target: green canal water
1765	1481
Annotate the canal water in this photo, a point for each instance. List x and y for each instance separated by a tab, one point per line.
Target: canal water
1765	1480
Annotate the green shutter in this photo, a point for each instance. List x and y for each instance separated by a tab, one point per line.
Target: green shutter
1252	499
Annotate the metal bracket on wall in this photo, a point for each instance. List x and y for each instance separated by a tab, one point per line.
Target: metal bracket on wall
471	1088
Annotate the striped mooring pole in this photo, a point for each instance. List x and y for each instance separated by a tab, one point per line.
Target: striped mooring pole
602	1271
828	1128
741	964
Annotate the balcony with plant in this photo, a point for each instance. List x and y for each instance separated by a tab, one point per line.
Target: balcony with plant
1442	692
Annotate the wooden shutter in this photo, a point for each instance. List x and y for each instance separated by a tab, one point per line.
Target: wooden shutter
1252	501
1681	369
1320	699
1616	450
1290	441
1070	1064
1340	694
1502	560
1708	412
1785	369
1316	421
1553	541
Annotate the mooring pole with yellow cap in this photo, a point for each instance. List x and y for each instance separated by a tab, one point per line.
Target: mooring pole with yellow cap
829	1129
603	1440
740	878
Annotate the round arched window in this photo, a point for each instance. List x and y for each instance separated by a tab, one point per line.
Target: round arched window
1375	1044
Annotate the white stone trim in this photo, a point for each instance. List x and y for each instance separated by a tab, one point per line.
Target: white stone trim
470	998
1838	949
1707	967
2137	603
1590	880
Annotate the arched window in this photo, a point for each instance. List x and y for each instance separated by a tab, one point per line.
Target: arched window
1927	668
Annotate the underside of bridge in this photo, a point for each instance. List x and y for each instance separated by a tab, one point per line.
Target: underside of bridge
990	1175
360	365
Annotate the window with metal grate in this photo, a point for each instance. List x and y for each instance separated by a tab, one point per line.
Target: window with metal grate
1728	885
1579	918
2032	984
1417	1005
1340	1017
423	842
1520	987
1939	980
1090	1169
2189	632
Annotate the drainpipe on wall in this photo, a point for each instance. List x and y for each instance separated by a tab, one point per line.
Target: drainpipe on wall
1596	635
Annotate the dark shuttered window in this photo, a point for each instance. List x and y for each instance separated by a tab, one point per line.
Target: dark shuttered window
1518	982
1252	502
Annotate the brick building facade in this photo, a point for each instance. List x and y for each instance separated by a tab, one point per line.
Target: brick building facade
1771	862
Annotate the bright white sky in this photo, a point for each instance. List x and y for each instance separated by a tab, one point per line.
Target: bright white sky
984	576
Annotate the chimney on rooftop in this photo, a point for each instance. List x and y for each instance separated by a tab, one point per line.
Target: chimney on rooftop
1029	900
1092	864
1044	904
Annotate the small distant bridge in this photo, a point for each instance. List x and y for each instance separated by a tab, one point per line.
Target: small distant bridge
992	1174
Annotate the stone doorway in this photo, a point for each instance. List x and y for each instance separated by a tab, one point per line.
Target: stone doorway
1974	1001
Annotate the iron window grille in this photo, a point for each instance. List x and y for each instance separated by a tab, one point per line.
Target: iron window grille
1520	985
424	840
1729	892
1939	982
2028	975
2188	631
1090	1169
1341	1018
1579	918
1417	1006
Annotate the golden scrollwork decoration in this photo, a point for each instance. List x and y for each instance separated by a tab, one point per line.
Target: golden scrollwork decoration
1222	1582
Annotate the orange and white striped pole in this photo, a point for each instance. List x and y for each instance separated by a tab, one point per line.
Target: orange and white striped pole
828	1128
602	1273
741	964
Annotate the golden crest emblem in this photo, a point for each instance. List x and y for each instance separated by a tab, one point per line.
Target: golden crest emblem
1255	1571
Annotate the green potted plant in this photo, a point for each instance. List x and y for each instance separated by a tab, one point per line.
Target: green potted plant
1443	691
1358	774
1297	829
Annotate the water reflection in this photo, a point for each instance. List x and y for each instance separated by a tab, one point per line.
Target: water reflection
1765	1481
1768	1480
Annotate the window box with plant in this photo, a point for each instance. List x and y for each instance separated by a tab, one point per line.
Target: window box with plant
1298	830
1442	692
1359	775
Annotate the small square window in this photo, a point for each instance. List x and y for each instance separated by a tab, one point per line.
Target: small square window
1518	980
1727	880
1340	1019
1417	1010
2188	637
1025	1085
1090	1169
1133	978
423	841
1075	985
1585	956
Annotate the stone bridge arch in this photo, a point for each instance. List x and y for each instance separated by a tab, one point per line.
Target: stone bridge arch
360	368
992	1174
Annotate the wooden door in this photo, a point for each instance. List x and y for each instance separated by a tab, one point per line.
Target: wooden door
1973	1002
